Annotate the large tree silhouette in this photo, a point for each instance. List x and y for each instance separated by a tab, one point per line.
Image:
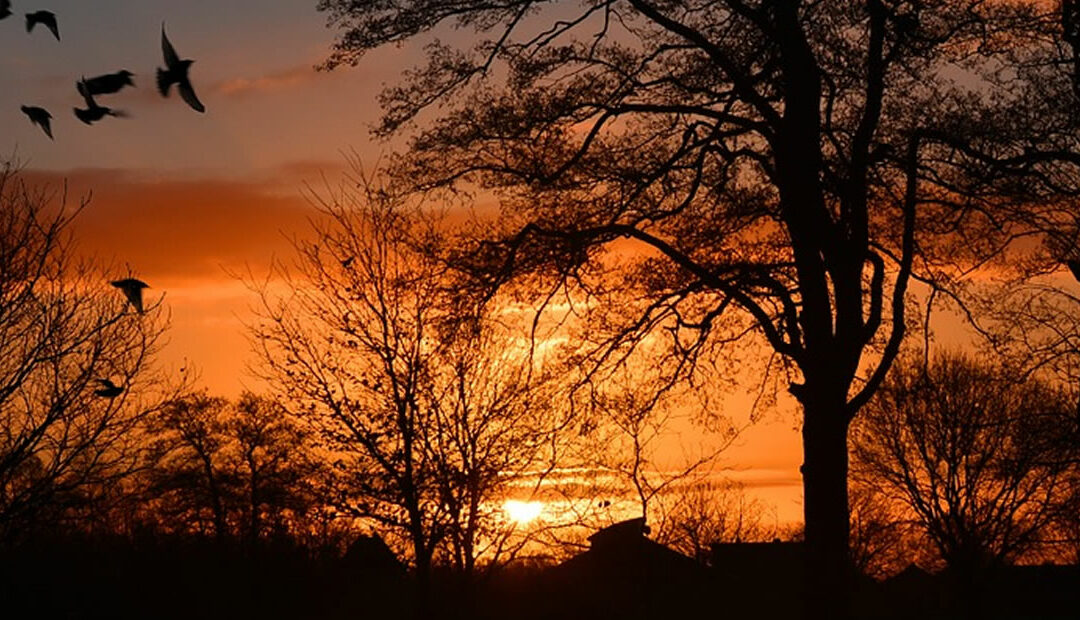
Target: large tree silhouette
784	168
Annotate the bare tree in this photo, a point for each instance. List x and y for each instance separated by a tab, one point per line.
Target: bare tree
498	425
884	541
974	455
1040	321
274	467
785	167
188	440
642	436
427	412
706	511
233	469
65	434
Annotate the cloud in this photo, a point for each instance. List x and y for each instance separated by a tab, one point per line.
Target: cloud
175	228
286	79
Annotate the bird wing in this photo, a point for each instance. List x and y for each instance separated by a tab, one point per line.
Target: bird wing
84	90
171	59
134	295
188	94
46	126
132	288
50	23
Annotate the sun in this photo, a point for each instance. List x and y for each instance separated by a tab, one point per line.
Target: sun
522	512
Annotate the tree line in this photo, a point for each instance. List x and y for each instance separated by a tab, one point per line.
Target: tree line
401	407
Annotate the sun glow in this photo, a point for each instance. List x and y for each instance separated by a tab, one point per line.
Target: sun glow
522	512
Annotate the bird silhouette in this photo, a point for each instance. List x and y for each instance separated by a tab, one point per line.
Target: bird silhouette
176	72
5	9
108	389
132	289
1074	267
93	112
40	117
105	84
46	18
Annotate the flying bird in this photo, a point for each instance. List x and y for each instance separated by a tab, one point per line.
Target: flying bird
176	72
108	389
93	112
46	18
105	84
5	8
132	289
40	117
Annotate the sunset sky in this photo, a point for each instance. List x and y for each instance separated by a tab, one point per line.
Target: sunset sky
184	199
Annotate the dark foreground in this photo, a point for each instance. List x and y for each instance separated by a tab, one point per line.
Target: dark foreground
623	575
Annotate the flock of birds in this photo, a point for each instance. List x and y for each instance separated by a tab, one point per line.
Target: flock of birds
175	72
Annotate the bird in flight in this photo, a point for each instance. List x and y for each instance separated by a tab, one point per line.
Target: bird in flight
176	72
105	84
93	111
132	289
39	117
46	18
108	389
5	8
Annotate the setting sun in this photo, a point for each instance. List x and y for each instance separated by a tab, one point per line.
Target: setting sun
522	512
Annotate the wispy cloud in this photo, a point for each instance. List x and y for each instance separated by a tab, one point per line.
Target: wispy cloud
286	79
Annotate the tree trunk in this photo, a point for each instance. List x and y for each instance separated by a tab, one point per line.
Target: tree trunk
423	608
216	503
825	506
253	498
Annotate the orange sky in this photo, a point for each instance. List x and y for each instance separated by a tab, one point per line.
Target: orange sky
183	200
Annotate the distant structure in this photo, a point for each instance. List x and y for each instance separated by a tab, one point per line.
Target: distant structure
624	575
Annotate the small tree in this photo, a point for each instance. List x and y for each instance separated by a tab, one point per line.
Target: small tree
640	426
973	454
188	440
63	436
239	470
704	512
273	467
